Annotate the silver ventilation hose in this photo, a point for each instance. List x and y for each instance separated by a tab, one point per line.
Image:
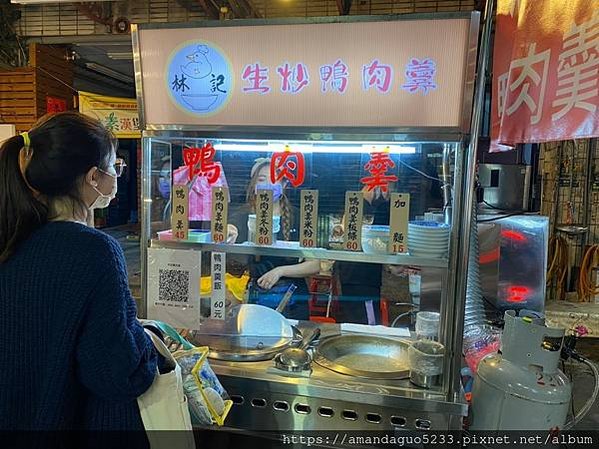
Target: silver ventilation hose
475	313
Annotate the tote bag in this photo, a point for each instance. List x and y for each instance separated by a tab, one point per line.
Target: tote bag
164	407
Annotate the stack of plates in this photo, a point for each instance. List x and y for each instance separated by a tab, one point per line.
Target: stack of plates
428	239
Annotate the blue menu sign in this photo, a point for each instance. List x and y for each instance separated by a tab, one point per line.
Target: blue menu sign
200	78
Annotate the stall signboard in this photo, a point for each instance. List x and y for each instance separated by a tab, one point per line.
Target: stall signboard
308	218
354	216
545	65
218	296
398	223
174	286
118	114
220	213
381	72
264	217
180	212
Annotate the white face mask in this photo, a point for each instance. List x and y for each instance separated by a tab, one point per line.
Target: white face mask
102	201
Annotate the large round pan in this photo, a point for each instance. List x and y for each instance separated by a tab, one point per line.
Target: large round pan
250	332
366	356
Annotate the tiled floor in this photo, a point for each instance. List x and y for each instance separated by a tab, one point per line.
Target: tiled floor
581	375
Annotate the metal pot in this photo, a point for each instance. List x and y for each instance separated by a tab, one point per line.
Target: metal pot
366	356
250	332
297	359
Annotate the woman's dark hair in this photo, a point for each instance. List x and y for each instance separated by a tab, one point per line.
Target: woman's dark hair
63	148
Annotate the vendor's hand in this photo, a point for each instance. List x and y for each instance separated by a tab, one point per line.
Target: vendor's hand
232	234
269	280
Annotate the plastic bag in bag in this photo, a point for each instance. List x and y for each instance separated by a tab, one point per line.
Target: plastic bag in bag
208	401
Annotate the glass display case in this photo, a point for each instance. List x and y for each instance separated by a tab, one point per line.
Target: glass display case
291	207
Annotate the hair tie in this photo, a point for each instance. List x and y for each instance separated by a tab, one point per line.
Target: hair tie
26	140
24	158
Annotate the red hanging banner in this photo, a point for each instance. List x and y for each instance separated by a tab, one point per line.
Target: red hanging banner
545	72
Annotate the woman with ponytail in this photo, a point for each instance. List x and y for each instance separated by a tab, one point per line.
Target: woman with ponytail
272	272
72	353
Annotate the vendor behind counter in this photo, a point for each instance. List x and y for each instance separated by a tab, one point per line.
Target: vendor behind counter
271	277
361	282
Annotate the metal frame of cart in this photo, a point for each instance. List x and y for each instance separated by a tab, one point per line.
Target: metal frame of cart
355	394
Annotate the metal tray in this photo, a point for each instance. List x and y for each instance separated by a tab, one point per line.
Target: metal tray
365	356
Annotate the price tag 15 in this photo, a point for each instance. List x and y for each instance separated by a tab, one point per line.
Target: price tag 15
180	212
218	298
398	223
308	218
354	207
264	218
220	211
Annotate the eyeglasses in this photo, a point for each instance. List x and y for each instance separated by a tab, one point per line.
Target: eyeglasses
119	167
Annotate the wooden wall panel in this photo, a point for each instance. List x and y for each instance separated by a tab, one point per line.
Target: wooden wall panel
23	91
53	75
17	98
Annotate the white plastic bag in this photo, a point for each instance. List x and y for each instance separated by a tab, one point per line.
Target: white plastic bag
164	407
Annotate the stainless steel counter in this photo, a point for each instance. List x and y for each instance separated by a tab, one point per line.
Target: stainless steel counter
268	401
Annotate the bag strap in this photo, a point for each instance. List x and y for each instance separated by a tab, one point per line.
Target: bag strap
173	334
161	347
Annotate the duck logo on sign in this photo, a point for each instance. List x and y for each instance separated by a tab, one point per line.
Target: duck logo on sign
199	78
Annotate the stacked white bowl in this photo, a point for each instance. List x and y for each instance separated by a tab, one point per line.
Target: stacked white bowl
428	239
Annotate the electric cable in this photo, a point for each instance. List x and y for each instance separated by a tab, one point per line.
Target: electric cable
589	403
585	289
559	256
433	178
499	217
490	206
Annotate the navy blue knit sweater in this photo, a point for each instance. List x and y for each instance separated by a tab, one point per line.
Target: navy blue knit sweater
72	354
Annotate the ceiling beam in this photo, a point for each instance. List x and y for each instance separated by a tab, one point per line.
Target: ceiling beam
251	11
91	39
209	8
238	11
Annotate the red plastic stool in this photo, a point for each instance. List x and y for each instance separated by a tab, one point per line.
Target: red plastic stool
384	308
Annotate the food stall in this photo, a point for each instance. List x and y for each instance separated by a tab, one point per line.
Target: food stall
308	169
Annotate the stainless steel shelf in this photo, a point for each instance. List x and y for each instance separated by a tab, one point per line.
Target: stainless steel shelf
286	250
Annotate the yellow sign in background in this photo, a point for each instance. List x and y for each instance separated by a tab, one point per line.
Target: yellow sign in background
118	114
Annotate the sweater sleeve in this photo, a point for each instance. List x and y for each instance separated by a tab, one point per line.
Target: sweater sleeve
116	359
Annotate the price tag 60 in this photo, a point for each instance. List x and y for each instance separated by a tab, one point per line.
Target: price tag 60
220	209
308	218
264	217
354	207
219	288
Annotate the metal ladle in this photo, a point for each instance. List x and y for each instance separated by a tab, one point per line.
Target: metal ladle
297	359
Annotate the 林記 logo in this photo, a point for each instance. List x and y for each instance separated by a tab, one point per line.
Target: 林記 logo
199	78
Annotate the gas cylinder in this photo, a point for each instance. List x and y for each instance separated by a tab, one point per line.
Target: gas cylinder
521	388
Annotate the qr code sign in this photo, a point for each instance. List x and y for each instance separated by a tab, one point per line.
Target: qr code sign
173	285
